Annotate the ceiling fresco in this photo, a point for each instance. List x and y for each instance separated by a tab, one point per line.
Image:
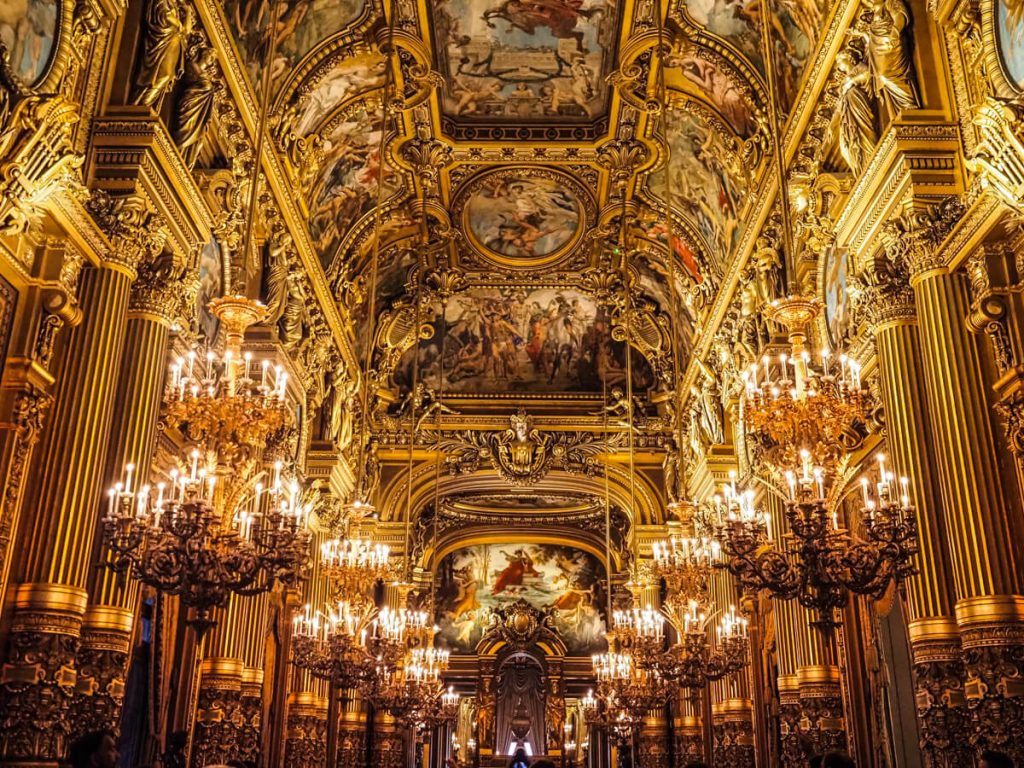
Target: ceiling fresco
537	61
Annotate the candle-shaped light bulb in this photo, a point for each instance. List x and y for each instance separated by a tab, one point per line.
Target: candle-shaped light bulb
128	478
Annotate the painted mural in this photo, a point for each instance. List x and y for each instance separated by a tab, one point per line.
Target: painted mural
702	186
525	59
28	30
211	286
837	297
347	185
513	339
522	218
301	25
474	580
347	79
1010	34
721	90
794	24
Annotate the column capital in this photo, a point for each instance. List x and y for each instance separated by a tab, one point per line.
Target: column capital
912	238
882	292
164	288
136	231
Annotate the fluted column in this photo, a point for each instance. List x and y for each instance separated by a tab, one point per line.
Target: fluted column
154	304
935	642
218	721
983	517
732	708
59	526
689	736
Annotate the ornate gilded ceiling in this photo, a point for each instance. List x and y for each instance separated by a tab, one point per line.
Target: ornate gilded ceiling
516	136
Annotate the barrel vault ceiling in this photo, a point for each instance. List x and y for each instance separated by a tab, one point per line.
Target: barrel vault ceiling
517	134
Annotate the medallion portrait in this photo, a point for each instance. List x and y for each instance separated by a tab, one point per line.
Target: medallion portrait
28	29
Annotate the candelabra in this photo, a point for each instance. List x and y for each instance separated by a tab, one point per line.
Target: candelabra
789	405
413	692
691	662
353	566
334	646
215	528
685	563
824	562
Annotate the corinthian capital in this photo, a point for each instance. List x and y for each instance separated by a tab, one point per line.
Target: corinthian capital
164	288
137	232
912	239
881	293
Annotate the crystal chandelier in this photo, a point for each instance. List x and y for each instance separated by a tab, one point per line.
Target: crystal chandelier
823	563
333	646
692	662
412	691
223	522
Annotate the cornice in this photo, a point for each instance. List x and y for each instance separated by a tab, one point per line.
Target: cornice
919	160
132	152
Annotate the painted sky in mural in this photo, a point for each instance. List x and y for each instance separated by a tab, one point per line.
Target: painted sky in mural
302	24
345	80
537	60
474	580
522	218
1010	31
837	295
28	29
513	339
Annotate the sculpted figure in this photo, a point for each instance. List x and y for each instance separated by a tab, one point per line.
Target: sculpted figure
855	111
195	107
884	29
168	25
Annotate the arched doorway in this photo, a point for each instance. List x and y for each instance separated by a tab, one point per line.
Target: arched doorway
521	704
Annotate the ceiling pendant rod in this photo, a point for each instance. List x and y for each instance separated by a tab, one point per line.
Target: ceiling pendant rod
627	307
607	503
437	460
371	305
774	131
261	130
413	396
670	259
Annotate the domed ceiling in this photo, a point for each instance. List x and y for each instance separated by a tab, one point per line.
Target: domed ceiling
539	189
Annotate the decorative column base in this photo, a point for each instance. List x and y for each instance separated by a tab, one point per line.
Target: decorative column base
37	684
689	737
734	734
102	667
942	716
653	747
388	743
992	638
306	738
822	728
250	741
352	732
218	726
793	753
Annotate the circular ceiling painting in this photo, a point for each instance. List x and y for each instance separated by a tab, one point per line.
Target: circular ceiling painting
523	217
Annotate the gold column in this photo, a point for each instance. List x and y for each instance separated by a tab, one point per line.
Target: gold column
306	740
389	749
218	712
59	524
154	304
891	315
689	735
732	710
983	516
351	730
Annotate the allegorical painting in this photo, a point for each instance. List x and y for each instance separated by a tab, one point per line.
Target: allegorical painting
837	299
301	25
474	580
1010	35
702	185
346	79
515	340
523	218
532	60
794	28
28	30
346	186
721	89
211	286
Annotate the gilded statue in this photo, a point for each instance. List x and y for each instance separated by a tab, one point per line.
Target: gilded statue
855	110
292	326
195	105
168	25
768	266
274	278
884	28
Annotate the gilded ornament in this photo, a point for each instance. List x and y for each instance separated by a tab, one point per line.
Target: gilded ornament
168	25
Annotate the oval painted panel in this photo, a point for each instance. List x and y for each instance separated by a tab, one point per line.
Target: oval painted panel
522	218
28	28
1010	37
